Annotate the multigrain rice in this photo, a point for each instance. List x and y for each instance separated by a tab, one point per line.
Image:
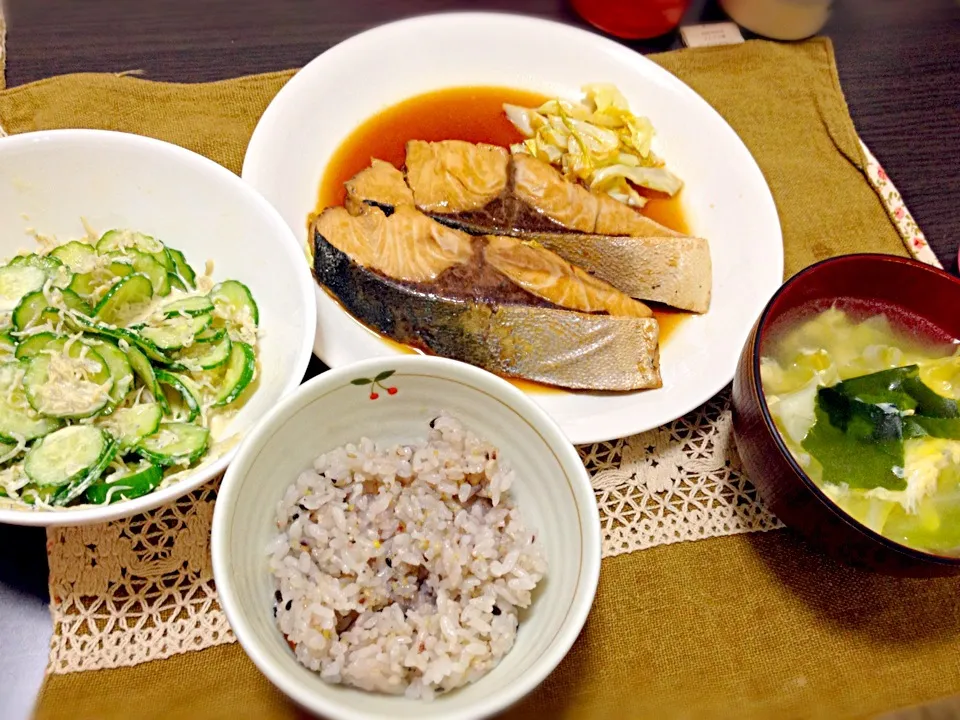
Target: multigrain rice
401	569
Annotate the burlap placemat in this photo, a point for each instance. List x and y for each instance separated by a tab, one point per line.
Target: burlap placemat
741	626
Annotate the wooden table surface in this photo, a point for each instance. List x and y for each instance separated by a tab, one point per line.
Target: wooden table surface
899	64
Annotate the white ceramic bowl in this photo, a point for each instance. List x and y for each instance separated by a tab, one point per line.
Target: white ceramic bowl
50	180
552	490
725	197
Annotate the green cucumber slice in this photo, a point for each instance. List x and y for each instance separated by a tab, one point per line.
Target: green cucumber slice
51	266
176	332
65	455
212	334
8	347
195	305
69	493
17	281
233	300
144	370
77	255
188	397
240	371
141	479
148	265
32	345
205	355
113	240
176	283
71	301
175	443
183	269
17	418
90	285
125	300
33	305
119	367
130	424
9	451
51	393
29	309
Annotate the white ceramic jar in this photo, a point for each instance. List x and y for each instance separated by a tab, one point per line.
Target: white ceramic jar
779	19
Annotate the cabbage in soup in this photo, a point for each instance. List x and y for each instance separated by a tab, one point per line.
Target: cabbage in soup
870	412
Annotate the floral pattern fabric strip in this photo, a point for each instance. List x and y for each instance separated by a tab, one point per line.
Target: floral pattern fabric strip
912	236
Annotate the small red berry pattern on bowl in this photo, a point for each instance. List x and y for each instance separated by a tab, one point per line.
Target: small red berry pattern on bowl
376	383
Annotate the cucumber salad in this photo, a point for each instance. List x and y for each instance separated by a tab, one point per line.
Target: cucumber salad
116	358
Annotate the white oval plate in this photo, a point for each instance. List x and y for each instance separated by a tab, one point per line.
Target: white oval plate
726	198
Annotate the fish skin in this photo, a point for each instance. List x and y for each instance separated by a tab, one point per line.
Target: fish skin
675	271
544	344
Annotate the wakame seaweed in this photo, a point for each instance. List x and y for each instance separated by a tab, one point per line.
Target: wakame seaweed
861	425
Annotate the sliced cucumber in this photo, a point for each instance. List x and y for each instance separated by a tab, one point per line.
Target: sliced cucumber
72	301
51	266
65	455
9	451
32	345
29	309
17	281
53	388
8	347
45	263
144	370
125	300
69	493
195	305
149	266
188	397
233	300
129	424
127	484
17	418
205	355
175	443
183	268
113	240
176	283
212	334
33	309
240	371
50	316
77	255
90	285
176	332
120	370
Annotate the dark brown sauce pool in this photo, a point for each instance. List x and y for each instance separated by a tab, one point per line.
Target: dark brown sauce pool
473	114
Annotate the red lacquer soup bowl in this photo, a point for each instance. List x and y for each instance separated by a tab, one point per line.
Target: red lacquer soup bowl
906	289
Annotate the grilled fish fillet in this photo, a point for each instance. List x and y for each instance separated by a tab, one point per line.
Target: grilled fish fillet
508	306
524	197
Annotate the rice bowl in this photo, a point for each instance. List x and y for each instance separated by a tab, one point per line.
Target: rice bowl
549	561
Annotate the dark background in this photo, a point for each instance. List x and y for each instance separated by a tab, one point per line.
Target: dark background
899	64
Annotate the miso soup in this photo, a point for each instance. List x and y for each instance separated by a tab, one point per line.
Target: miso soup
867	403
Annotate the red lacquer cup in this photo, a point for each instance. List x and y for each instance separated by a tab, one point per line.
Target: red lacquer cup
632	19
